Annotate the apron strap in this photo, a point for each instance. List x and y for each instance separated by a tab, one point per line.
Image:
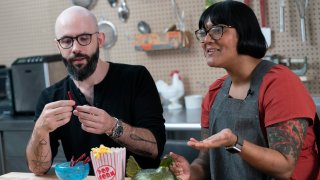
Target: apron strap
258	73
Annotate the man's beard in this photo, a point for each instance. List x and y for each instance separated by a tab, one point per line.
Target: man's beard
78	73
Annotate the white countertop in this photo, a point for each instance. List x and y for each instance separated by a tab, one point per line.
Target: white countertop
189	119
183	119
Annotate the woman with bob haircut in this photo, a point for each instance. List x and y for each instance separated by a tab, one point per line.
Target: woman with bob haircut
257	121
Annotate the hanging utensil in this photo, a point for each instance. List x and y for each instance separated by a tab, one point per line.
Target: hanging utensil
113	3
180	16
302	6
110	32
144	27
177	13
123	11
281	15
266	31
89	4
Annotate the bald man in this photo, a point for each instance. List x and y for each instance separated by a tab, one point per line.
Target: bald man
99	102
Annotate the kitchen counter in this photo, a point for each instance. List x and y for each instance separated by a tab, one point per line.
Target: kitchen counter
183	119
31	176
175	120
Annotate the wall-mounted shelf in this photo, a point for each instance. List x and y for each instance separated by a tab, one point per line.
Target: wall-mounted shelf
162	41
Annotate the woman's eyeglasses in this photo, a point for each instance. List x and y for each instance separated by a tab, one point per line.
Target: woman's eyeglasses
215	32
83	39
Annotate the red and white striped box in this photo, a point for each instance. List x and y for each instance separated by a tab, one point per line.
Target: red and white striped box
110	165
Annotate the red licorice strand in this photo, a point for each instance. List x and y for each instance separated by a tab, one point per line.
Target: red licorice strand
80	158
72	161
70	98
87	160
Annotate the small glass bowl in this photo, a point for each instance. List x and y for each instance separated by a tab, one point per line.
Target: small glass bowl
78	172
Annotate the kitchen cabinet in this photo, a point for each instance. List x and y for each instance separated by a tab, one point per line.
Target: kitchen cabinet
14	143
13	139
1	156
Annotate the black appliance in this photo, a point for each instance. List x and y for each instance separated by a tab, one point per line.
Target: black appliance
31	75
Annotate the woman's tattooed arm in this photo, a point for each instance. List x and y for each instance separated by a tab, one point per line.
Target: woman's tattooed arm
287	137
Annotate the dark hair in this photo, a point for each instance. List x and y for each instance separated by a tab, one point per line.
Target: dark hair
238	15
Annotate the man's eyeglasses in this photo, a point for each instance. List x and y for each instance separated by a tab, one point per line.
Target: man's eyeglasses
82	39
215	32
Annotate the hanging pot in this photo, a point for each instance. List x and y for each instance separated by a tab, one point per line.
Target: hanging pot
89	4
110	32
113	3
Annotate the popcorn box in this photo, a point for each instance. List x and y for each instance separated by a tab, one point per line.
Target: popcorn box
109	165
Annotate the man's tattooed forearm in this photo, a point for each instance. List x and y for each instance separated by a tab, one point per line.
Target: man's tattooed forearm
138	138
40	166
41	154
287	137
134	148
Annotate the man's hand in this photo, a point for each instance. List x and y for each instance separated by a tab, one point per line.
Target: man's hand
94	120
55	114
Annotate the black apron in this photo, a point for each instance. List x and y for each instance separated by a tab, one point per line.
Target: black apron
242	117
